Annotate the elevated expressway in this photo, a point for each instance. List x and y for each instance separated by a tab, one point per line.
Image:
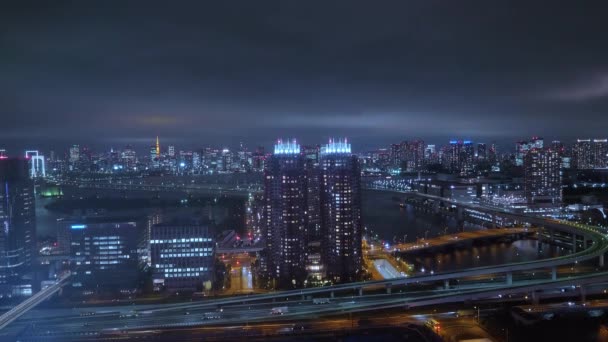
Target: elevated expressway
594	240
39	297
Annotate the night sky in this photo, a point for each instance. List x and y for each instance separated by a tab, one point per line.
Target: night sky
109	73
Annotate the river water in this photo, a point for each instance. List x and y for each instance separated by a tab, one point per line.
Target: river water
389	222
385	218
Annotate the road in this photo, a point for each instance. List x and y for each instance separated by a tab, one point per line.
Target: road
458	238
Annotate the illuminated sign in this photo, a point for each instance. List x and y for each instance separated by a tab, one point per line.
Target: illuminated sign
79	226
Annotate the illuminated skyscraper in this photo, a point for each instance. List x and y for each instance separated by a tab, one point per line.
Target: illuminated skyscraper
543	177
129	157
600	153
17	215
522	147
171	151
74	154
285	216
582	154
341	211
459	157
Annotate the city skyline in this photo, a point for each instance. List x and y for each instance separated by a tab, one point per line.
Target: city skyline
115	74
417	170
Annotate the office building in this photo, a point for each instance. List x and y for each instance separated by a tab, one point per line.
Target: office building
285	216
183	255
18	236
543	177
341	211
104	253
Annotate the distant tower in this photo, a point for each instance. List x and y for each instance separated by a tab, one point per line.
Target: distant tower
157	147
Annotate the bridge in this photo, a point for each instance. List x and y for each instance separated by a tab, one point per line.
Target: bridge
353	298
190	188
460	238
239	250
31	302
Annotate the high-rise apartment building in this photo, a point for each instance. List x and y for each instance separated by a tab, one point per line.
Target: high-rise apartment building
543	177
285	215
341	211
600	153
582	154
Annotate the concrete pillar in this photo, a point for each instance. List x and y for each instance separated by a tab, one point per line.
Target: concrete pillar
574	247
388	289
360	291
331	294
583	293
446	284
551	235
553	273
509	278
601	261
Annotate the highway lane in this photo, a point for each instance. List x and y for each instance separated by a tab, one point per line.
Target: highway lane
297	309
599	247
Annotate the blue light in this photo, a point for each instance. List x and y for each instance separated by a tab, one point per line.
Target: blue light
336	147
453	142
182	164
79	226
467	142
287	147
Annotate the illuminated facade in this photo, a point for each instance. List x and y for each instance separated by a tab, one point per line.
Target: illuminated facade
18	218
183	255
543	177
582	154
600	153
285	215
522	148
341	228
104	253
459	157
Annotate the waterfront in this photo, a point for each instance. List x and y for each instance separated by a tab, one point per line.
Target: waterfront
384	216
389	221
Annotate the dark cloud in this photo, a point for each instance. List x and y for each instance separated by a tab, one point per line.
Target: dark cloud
199	72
